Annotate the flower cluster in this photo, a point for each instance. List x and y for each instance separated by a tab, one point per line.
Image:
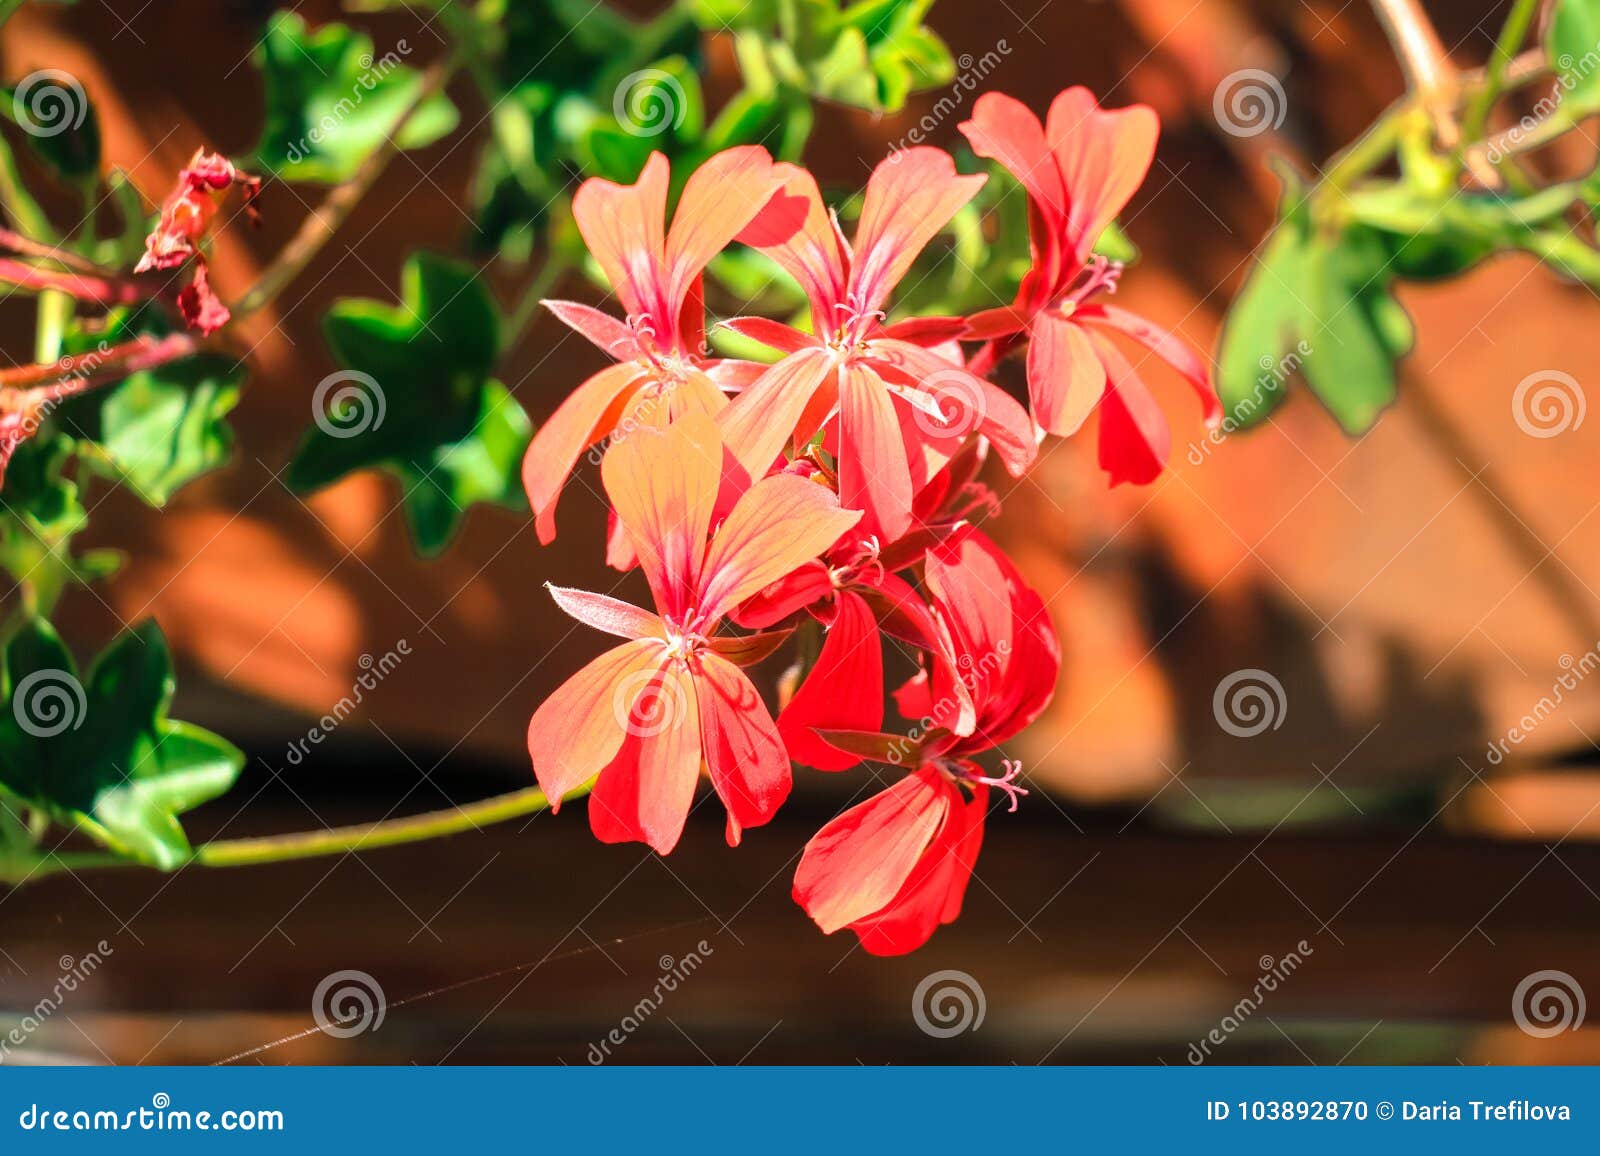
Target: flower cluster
835	488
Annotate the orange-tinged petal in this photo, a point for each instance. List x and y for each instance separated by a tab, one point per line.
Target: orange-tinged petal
1103	155
589	414
775	527
1065	377
723	195
758	425
645	793
909	198
663	485
623	226
579	729
744	755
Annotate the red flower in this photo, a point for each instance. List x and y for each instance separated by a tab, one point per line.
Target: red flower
186	218
896	867
1079	170
872	387
662	371
644	716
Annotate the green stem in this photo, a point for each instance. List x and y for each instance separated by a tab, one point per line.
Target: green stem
371	836
526	309
1512	34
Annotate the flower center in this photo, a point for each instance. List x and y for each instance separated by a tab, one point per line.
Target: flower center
1100	275
1003	782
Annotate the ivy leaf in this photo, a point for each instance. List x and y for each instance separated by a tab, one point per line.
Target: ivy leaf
330	102
102	755
1351	332
162	428
1262	328
52	109
1571	44
416	400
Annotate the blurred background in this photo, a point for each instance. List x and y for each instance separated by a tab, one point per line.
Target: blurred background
1411	595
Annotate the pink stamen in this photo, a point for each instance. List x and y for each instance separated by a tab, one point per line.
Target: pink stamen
1013	768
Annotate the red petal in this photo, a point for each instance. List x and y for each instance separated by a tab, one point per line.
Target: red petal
589	414
1175	352
788	595
1065	378
856	865
772	334
1004	129
603	330
578	729
743	752
645	793
934	892
1103	156
844	690
909	198
813	255
1134	437
874	474
623	226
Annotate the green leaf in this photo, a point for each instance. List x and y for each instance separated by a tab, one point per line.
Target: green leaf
330	102
102	755
59	121
1258	345
1572	45
416	400
162	428
1351	332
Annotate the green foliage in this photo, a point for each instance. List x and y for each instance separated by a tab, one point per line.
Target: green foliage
101	755
330	102
870	54
418	401
1572	44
